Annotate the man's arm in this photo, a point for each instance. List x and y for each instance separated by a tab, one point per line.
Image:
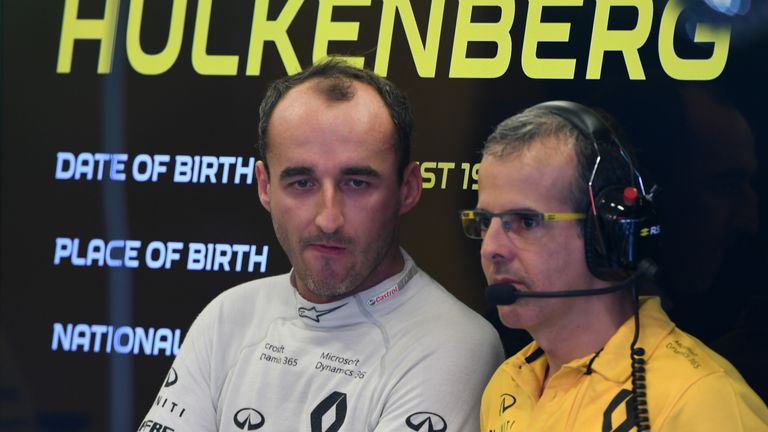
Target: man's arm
715	403
185	400
443	385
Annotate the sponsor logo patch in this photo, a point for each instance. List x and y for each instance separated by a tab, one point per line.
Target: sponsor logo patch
373	301
507	402
426	422
314	314
248	419
320	418
172	378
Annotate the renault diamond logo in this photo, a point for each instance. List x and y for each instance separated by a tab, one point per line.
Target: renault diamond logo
171	378
248	419
426	422
507	402
322	420
314	314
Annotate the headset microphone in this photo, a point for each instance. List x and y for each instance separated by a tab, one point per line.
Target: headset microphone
505	294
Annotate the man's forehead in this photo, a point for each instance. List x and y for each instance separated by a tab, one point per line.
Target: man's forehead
539	175
348	170
543	155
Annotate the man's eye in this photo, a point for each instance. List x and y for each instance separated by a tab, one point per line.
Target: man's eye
357	183
484	222
301	184
529	222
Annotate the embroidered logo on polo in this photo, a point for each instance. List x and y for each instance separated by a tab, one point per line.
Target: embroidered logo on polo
172	378
248	419
315	314
426	422
319	418
507	402
624	396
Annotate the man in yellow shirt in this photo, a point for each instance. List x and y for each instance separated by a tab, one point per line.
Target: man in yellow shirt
568	231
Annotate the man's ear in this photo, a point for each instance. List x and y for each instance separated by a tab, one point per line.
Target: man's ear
262	178
410	189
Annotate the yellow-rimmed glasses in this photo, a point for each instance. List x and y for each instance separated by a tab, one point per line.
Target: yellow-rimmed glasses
520	223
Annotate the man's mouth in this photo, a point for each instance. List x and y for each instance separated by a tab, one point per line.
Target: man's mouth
517	283
327	248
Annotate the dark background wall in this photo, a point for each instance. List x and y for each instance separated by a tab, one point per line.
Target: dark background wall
702	141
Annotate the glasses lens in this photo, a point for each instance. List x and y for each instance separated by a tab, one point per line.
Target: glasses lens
470	221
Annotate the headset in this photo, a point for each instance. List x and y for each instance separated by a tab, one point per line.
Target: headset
621	234
621	229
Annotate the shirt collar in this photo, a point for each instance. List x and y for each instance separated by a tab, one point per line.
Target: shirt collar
613	362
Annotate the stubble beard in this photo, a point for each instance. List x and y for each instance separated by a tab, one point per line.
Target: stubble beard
329	281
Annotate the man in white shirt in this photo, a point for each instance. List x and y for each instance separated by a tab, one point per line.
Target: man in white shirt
356	337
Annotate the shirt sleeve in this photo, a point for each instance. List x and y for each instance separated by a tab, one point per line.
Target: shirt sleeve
442	388
185	400
717	403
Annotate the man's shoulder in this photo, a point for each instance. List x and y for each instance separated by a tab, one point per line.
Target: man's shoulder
688	357
678	355
436	314
262	295
686	364
686	380
267	287
435	299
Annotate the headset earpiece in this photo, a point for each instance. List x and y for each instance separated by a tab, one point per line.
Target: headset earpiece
621	228
624	232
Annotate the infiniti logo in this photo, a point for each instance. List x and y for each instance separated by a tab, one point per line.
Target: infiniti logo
426	422
248	419
171	378
507	402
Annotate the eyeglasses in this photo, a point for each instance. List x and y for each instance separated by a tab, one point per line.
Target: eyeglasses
520	223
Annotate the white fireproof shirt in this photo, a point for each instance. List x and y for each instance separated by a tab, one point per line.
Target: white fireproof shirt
403	355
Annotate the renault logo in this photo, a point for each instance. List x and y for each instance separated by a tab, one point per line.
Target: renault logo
329	414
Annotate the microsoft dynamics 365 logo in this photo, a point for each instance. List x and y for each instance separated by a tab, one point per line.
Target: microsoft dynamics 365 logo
426	422
248	419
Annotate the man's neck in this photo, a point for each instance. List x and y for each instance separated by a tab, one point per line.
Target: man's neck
594	321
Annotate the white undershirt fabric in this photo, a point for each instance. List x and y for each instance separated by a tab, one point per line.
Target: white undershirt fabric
403	355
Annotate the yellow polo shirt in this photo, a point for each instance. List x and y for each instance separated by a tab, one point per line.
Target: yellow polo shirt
690	387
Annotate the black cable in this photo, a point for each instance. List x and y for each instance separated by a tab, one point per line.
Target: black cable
639	388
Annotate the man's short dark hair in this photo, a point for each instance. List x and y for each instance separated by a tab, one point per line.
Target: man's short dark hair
519	132
335	84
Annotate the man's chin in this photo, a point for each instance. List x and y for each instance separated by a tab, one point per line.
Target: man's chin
327	283
327	288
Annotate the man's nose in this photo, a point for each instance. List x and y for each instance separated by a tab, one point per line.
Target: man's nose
330	215
497	245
